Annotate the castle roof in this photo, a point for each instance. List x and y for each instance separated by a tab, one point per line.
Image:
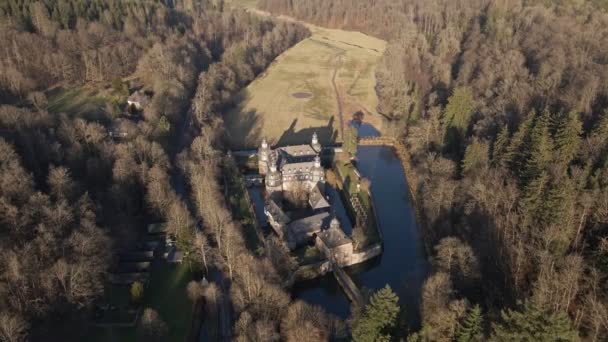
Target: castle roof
289	168
317	200
276	212
299	151
300	230
334	237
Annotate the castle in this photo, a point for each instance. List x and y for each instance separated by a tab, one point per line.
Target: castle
291	168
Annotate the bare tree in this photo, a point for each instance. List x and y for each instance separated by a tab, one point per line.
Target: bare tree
151	327
457	259
13	328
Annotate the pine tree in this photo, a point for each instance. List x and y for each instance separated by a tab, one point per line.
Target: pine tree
600	131
568	137
459	109
534	194
514	155
541	149
500	145
534	324
472	327
379	318
456	119
555	206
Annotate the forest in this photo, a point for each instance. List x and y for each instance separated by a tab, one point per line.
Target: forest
502	105
503	108
73	195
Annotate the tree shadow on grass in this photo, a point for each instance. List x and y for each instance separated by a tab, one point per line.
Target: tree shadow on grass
327	134
245	132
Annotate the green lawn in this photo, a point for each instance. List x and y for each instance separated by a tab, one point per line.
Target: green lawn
239	206
268	108
166	293
76	102
350	181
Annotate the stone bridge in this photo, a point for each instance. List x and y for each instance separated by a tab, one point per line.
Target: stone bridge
348	285
376	141
254	180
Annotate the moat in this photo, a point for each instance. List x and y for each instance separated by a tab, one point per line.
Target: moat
403	263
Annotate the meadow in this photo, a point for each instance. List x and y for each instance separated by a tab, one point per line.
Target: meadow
307	88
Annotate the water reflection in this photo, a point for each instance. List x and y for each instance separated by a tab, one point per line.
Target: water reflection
403	264
257	198
365	129
325	292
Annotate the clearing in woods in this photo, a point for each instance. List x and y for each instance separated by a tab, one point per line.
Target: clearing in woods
317	85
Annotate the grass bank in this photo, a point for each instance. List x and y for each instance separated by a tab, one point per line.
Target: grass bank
295	96
365	230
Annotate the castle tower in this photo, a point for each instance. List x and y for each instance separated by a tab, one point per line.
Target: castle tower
335	223
273	180
315	143
263	157
318	173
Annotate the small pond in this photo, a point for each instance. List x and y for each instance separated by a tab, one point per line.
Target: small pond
302	95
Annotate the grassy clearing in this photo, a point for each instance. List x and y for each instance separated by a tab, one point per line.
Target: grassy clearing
77	102
241	211
166	293
268	108
349	180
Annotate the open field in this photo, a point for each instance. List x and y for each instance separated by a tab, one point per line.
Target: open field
77	102
166	294
306	89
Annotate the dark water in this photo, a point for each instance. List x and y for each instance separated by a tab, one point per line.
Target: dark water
403	264
257	198
366	130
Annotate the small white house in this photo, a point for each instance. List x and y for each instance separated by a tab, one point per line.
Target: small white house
138	100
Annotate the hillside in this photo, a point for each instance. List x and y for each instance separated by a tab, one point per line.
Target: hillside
296	95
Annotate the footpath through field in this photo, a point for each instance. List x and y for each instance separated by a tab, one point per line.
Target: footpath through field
316	86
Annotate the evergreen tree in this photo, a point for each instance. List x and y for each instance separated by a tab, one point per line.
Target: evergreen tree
472	327
500	145
568	137
459	109
541	149
514	155
379	318
534	324
456	118
600	131
534	194
555	205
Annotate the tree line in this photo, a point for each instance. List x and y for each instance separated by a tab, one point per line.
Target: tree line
503	107
72	196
